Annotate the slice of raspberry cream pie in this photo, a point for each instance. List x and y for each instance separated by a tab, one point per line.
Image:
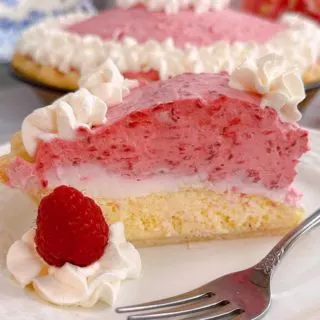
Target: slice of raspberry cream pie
198	156
152	39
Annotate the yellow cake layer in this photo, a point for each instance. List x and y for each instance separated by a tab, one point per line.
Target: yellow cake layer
198	214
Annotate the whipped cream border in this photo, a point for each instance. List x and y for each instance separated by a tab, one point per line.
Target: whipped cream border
49	45
73	285
174	6
94	181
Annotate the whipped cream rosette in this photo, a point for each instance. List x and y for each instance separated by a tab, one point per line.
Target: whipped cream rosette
69	276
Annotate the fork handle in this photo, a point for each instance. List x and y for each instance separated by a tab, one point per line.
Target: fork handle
273	258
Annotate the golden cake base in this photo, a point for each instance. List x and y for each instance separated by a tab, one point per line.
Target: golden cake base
45	75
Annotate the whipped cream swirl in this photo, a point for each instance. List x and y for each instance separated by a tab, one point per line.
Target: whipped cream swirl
107	83
279	83
63	118
85	108
174	6
72	285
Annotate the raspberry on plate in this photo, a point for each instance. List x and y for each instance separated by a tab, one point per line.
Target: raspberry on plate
70	228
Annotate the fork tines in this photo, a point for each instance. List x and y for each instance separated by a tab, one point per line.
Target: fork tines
194	303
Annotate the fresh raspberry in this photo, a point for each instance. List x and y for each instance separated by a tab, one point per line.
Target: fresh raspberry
70	228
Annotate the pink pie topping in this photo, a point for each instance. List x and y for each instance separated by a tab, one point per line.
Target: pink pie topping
191	124
184	27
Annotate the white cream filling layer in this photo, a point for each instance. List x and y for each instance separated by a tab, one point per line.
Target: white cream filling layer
49	45
95	182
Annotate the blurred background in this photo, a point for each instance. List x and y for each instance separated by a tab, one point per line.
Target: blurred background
18	99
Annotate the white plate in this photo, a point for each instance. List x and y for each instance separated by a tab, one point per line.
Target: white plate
174	269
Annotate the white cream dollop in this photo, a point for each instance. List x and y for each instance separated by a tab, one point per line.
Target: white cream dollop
279	83
63	118
72	285
107	83
174	6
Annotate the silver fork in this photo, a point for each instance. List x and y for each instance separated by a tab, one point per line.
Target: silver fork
243	295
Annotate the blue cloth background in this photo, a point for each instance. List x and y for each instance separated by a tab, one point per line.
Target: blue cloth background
10	30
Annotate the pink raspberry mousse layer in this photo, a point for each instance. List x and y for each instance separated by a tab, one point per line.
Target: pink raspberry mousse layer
190	124
184	27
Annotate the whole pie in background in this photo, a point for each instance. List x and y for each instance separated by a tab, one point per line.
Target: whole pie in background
151	42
